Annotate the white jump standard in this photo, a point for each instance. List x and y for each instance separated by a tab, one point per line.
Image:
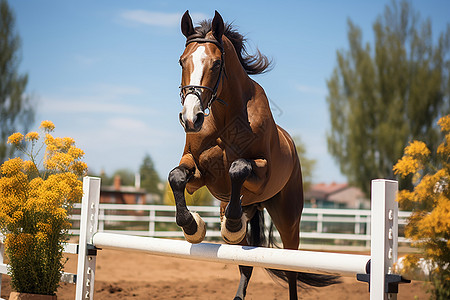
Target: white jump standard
376	268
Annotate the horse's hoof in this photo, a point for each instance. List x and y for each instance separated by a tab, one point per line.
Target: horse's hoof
233	237
201	230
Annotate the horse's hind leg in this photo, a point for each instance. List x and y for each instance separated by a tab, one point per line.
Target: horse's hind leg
193	226
246	273
287	221
234	223
285	211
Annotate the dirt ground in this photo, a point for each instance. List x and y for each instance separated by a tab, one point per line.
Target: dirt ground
125	275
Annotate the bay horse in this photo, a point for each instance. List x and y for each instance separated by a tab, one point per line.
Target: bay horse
235	149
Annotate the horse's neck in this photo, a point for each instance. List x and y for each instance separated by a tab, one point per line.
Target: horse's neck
236	90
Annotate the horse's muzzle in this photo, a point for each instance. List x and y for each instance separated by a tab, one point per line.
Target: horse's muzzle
195	125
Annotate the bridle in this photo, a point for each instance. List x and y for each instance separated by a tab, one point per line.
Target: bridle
196	89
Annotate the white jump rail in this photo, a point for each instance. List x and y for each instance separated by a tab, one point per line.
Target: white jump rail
379	264
289	260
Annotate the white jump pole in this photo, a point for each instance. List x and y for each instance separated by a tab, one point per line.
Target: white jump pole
282	259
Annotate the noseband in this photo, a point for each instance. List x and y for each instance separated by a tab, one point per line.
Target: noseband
196	89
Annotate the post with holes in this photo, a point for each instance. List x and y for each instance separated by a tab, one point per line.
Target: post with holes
384	241
88	226
383	284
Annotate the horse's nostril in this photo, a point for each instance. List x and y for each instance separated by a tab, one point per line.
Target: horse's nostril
183	123
199	120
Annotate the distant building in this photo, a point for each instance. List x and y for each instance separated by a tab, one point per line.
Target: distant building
336	195
119	194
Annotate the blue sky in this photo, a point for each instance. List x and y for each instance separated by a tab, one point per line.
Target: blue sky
106	72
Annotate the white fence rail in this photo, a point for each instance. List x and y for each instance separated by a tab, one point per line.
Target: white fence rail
340	229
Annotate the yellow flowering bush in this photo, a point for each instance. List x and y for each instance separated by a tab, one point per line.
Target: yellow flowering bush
429	224
34	207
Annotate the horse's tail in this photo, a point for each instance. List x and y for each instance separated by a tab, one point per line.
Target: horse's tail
257	237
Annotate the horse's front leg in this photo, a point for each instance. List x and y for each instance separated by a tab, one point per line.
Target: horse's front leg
234	222
193	226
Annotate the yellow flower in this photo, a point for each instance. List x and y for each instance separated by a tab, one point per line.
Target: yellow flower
34	207
444	122
58	161
429	224
12	166
19	243
29	167
49	140
41	237
409	262
60	213
68	142
76	153
43	227
56	144
406	165
48	126
15	138
417	148
32	136
17	216
444	147
404	196
35	183
79	168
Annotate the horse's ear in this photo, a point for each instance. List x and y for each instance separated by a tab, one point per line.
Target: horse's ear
218	27
187	28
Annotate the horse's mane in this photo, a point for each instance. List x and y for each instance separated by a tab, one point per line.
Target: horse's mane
254	64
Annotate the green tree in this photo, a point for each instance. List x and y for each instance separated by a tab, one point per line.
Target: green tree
381	97
16	109
127	177
150	180
306	163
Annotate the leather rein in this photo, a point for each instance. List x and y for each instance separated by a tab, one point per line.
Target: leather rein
196	89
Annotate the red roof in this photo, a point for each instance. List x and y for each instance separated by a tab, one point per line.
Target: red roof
323	190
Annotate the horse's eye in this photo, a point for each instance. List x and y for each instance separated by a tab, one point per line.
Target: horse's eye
216	65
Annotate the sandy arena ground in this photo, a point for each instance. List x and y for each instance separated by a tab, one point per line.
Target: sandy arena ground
122	275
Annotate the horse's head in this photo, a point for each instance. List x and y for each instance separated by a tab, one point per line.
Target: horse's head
202	64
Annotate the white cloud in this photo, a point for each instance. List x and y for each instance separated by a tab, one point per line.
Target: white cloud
159	19
151	18
101	98
89	105
115	91
126	124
